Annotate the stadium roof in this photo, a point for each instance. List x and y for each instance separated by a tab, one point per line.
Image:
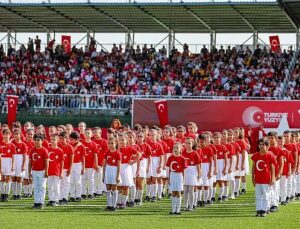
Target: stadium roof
180	17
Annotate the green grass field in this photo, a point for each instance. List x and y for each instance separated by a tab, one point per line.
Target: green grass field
237	213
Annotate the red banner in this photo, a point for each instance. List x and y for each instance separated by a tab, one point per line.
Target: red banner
66	42
162	112
274	43
12	104
220	114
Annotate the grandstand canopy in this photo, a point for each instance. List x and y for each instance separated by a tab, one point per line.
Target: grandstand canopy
179	17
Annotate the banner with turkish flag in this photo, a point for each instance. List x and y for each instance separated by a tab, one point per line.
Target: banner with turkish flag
12	104
274	43
66	42
162	112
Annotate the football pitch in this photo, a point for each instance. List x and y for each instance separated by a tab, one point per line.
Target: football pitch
238	213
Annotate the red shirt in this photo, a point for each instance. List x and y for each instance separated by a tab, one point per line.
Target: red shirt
38	157
192	158
21	148
46	144
102	148
288	159
276	152
145	150
156	149
90	151
221	151
127	154
112	158
30	146
170	143
207	154
242	144
262	167
56	157
293	149
177	164
79	152
230	150
8	150
164	146
67	154
236	148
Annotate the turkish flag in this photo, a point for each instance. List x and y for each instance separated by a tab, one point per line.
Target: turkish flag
66	42
162	112
274	43
12	104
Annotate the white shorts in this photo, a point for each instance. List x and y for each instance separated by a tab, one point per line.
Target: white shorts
154	167
190	176
164	173
176	182
240	172
204	173
213	176
134	169
18	161
110	174
6	166
221	166
126	176
230	176
143	168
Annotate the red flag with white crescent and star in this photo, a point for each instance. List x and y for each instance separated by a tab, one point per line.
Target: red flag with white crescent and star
274	43
162	112
12	104
66	42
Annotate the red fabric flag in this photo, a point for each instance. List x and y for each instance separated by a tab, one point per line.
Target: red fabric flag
162	112
66	42
274	43
12	104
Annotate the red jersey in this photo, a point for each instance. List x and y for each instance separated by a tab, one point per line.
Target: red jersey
8	150
236	148
276	152
176	164
170	143
38	157
288	159
221	151
79	152
207	154
90	150
102	148
164	146
145	150
46	144
30	145
262	167
156	149
112	158
67	155
56	157
293	149
21	148
230	150
192	158
242	144
127	154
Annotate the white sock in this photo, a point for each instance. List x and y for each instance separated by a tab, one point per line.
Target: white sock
153	190
8	188
132	193
237	185
214	192
124	199
14	188
148	189
2	188
205	195
191	197
159	190
108	197
140	195
232	187
244	185
114	198
186	196
25	189
173	204
199	195
178	205
19	188
195	198
30	189
221	192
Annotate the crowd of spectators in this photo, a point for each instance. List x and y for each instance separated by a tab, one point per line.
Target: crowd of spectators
145	70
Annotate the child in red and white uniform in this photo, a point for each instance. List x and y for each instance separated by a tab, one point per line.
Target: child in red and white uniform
19	163
38	169
68	156
244	175
263	175
154	174
78	167
7	162
56	164
91	164
102	148
81	128
221	152
27	181
177	164
129	157
206	156
144	166
192	174
111	173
